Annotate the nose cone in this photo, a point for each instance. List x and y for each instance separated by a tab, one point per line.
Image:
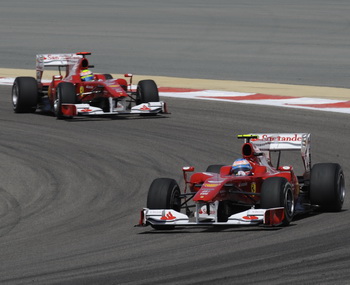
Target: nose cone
209	191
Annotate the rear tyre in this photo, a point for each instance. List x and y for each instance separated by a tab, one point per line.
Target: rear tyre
164	193
25	95
65	94
327	186
147	91
277	192
214	168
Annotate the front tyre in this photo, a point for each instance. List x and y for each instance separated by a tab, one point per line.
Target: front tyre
164	193
277	192
147	91
25	95
65	94
327	186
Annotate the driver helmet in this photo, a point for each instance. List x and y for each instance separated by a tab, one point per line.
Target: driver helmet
86	75
241	167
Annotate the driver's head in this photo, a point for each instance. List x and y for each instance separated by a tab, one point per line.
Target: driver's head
86	75
241	167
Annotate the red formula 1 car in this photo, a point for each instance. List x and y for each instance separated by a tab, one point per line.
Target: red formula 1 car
261	194
80	93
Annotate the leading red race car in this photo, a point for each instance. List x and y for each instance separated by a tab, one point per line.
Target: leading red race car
80	93
258	194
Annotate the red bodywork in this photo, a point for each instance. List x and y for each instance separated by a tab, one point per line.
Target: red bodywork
211	187
110	87
263	195
67	95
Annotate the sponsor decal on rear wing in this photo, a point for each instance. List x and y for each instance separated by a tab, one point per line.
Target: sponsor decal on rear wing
281	141
65	59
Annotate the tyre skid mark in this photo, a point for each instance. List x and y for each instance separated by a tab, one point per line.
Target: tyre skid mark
10	212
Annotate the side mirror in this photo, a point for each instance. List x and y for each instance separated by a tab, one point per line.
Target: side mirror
129	75
188	169
284	168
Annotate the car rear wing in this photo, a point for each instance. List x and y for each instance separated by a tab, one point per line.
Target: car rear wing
55	60
64	59
282	141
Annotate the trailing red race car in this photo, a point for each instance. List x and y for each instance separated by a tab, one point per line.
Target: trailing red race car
251	191
79	92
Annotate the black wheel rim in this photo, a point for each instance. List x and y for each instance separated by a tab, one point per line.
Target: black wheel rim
341	188
15	95
289	202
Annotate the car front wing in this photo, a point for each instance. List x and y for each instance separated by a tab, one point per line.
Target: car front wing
71	110
169	217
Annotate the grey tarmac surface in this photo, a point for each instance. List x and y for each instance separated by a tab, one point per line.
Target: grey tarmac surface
71	191
292	42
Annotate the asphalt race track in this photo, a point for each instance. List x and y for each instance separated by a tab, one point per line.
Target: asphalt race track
296	42
71	190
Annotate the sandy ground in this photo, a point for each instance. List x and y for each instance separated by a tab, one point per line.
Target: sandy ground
225	85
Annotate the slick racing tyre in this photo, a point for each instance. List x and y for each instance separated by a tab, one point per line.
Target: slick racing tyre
25	95
327	186
65	95
277	192
214	168
164	193
147	91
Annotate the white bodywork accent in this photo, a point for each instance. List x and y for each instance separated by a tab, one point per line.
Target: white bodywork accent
151	105
202	212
